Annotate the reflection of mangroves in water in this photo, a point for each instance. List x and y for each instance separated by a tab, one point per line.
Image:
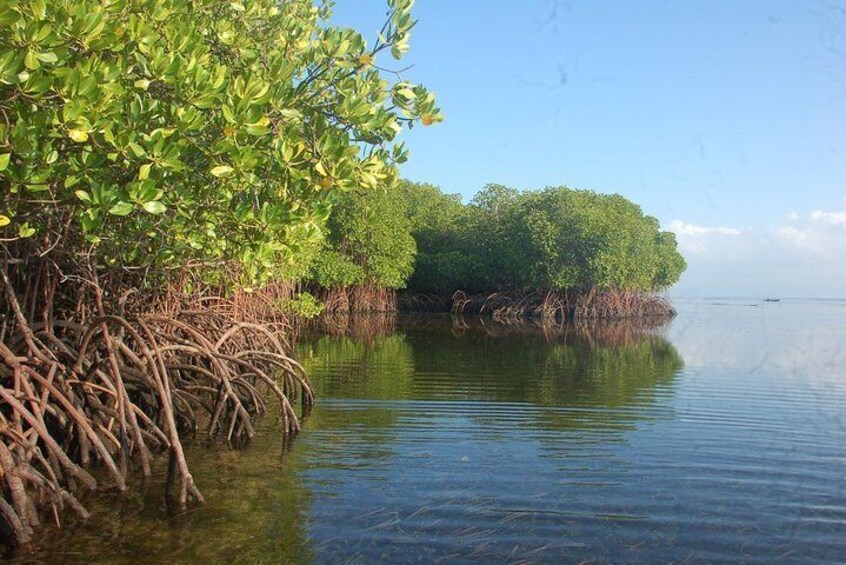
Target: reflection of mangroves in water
378	368
361	327
439	358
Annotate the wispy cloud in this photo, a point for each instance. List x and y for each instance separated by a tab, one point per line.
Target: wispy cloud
804	255
696	239
833	218
683	228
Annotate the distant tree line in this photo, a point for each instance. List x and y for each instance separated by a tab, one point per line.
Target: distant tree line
550	241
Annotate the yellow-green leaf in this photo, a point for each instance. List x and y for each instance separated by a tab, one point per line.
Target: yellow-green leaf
222	171
78	135
154	207
4	220
47	57
31	61
121	209
82	195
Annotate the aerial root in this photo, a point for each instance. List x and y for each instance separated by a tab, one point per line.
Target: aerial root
559	306
116	390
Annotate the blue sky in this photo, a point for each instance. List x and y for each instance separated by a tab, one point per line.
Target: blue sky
726	120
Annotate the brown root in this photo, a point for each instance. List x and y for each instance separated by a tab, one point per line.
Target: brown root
359	300
562	305
91	387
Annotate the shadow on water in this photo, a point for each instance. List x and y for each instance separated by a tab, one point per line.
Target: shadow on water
257	511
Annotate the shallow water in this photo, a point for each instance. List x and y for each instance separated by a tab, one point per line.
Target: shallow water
721	436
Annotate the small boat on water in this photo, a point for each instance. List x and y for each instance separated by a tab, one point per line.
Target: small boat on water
772	299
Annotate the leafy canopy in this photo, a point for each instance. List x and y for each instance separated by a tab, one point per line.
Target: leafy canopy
168	131
557	238
369	242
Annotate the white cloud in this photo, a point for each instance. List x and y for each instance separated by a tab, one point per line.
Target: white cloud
833	218
804	255
823	235
683	228
794	235
697	239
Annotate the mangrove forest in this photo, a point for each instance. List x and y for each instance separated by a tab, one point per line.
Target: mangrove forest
556	254
184	180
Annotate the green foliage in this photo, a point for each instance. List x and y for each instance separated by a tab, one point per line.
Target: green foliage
553	239
303	305
369	242
585	239
176	130
438	225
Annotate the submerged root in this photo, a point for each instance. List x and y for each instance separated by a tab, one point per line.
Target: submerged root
358	299
417	302
366	328
117	389
558	306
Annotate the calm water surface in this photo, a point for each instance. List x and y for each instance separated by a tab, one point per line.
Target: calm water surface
721	436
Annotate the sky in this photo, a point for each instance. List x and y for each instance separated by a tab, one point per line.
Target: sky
725	120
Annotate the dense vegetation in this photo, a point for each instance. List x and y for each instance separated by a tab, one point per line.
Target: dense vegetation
556	238
369	251
167	169
556	251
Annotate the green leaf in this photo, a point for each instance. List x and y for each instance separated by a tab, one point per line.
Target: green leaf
43	33
121	209
48	57
227	113
78	135
8	16
108	135
31	61
84	196
4	220
25	231
173	164
144	171
137	149
154	207
4	161
222	171
257	130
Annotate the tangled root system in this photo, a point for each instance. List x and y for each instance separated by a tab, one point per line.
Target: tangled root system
113	390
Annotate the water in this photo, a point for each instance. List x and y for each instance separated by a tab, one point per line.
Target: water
720	437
